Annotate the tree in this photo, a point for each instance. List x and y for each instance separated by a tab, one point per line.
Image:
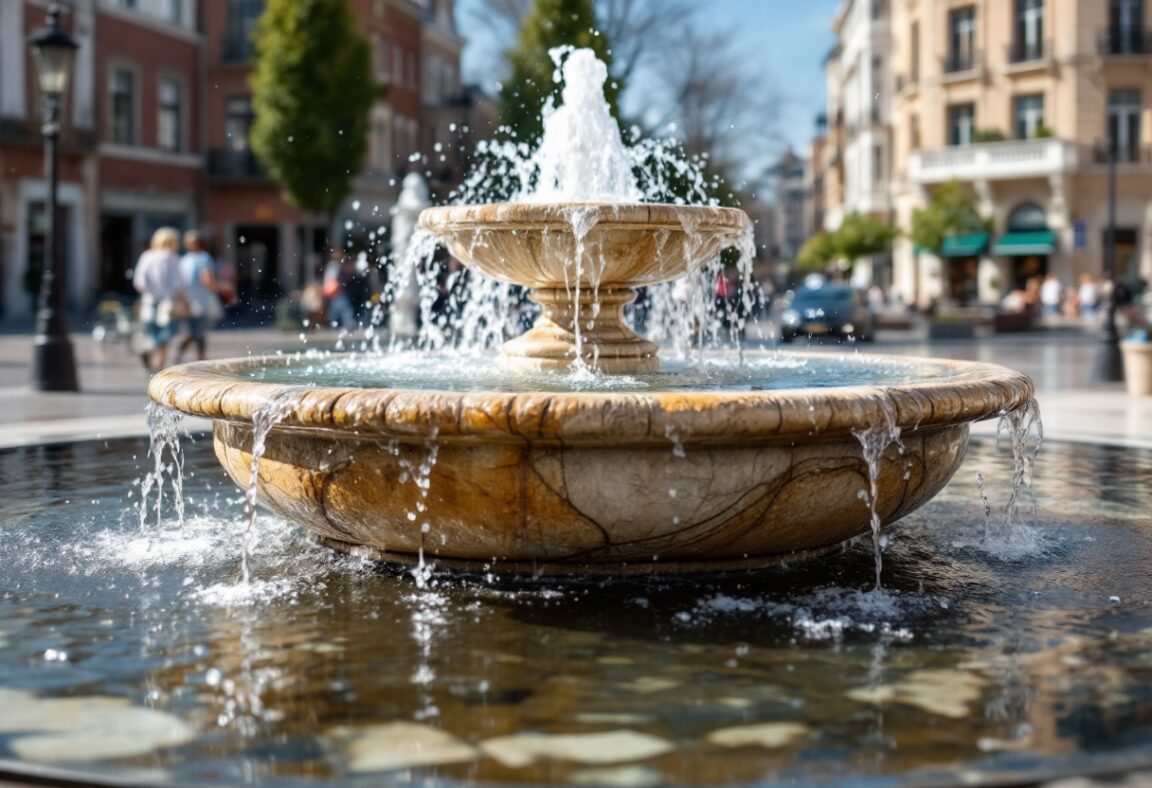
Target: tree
861	235
636	28
549	24
312	88
951	211
817	252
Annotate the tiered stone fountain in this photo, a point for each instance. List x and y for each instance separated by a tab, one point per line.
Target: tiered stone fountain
593	480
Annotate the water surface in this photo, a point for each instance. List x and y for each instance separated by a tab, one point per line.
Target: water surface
130	653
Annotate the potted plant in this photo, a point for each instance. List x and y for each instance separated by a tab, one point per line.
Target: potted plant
1137	349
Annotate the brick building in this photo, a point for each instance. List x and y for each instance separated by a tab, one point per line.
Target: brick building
130	157
156	133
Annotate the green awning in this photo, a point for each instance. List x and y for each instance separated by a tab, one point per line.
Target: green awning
966	245
1023	244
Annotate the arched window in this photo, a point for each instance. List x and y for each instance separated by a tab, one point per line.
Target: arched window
1027	216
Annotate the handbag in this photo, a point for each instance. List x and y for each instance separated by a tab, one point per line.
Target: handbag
180	308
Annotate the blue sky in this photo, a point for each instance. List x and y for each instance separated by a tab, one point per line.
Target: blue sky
786	41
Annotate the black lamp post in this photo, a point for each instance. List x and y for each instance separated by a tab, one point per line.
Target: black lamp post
54	366
1109	362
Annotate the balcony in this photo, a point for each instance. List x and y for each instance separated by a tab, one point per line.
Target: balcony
960	62
993	161
235	165
1022	52
1125	154
28	133
1115	42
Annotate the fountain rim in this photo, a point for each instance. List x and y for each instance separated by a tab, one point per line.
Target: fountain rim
217	390
618	215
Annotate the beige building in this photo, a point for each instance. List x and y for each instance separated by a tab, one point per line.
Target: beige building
1021	99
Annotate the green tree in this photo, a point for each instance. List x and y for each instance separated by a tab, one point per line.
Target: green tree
816	253
312	88
549	24
951	211
860	235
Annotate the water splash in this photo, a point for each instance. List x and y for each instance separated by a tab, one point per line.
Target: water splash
263	420
420	474
1026	431
875	440
163	442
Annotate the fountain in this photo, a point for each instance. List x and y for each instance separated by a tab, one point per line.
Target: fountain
602	461
1008	644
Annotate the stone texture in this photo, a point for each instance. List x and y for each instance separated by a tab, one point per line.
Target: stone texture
590	481
572	254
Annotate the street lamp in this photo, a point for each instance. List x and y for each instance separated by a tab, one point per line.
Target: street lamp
54	366
1109	363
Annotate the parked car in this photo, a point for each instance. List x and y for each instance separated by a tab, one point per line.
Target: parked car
837	310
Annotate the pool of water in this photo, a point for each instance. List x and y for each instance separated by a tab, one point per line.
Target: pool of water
994	654
718	372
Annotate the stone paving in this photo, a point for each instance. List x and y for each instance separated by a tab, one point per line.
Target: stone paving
113	380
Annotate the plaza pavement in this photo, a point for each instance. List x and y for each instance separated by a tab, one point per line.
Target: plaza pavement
111	403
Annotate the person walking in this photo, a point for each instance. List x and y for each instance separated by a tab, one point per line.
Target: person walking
163	298
337	278
198	272
1051	295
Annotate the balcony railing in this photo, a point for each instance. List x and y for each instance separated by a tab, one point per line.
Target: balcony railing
237	164
1028	51
1125	154
993	160
1124	42
237	47
22	131
960	61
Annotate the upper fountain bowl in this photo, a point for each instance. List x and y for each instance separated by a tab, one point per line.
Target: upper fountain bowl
593	244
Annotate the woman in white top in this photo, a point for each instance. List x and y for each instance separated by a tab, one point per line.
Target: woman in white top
163	301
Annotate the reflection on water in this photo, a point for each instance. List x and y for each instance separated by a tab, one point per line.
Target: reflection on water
718	372
1026	655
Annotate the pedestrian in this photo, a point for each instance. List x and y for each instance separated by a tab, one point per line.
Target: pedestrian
163	298
337	278
1051	295
1089	293
198	272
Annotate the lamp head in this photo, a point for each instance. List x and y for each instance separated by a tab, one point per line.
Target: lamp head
53	51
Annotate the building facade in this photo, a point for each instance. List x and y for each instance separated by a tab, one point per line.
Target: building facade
1022	100
156	133
859	151
130	149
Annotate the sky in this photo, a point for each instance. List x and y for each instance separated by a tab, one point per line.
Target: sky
786	41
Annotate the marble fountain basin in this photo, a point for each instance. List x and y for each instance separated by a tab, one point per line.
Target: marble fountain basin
582	261
608	481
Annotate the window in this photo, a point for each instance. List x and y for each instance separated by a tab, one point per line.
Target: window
242	17
1028	115
878	176
237	123
915	51
961	120
1125	22
961	39
122	100
1124	108
383	134
1029	40
914	132
383	60
169	123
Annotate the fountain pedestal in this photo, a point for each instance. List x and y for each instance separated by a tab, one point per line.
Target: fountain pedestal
604	341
